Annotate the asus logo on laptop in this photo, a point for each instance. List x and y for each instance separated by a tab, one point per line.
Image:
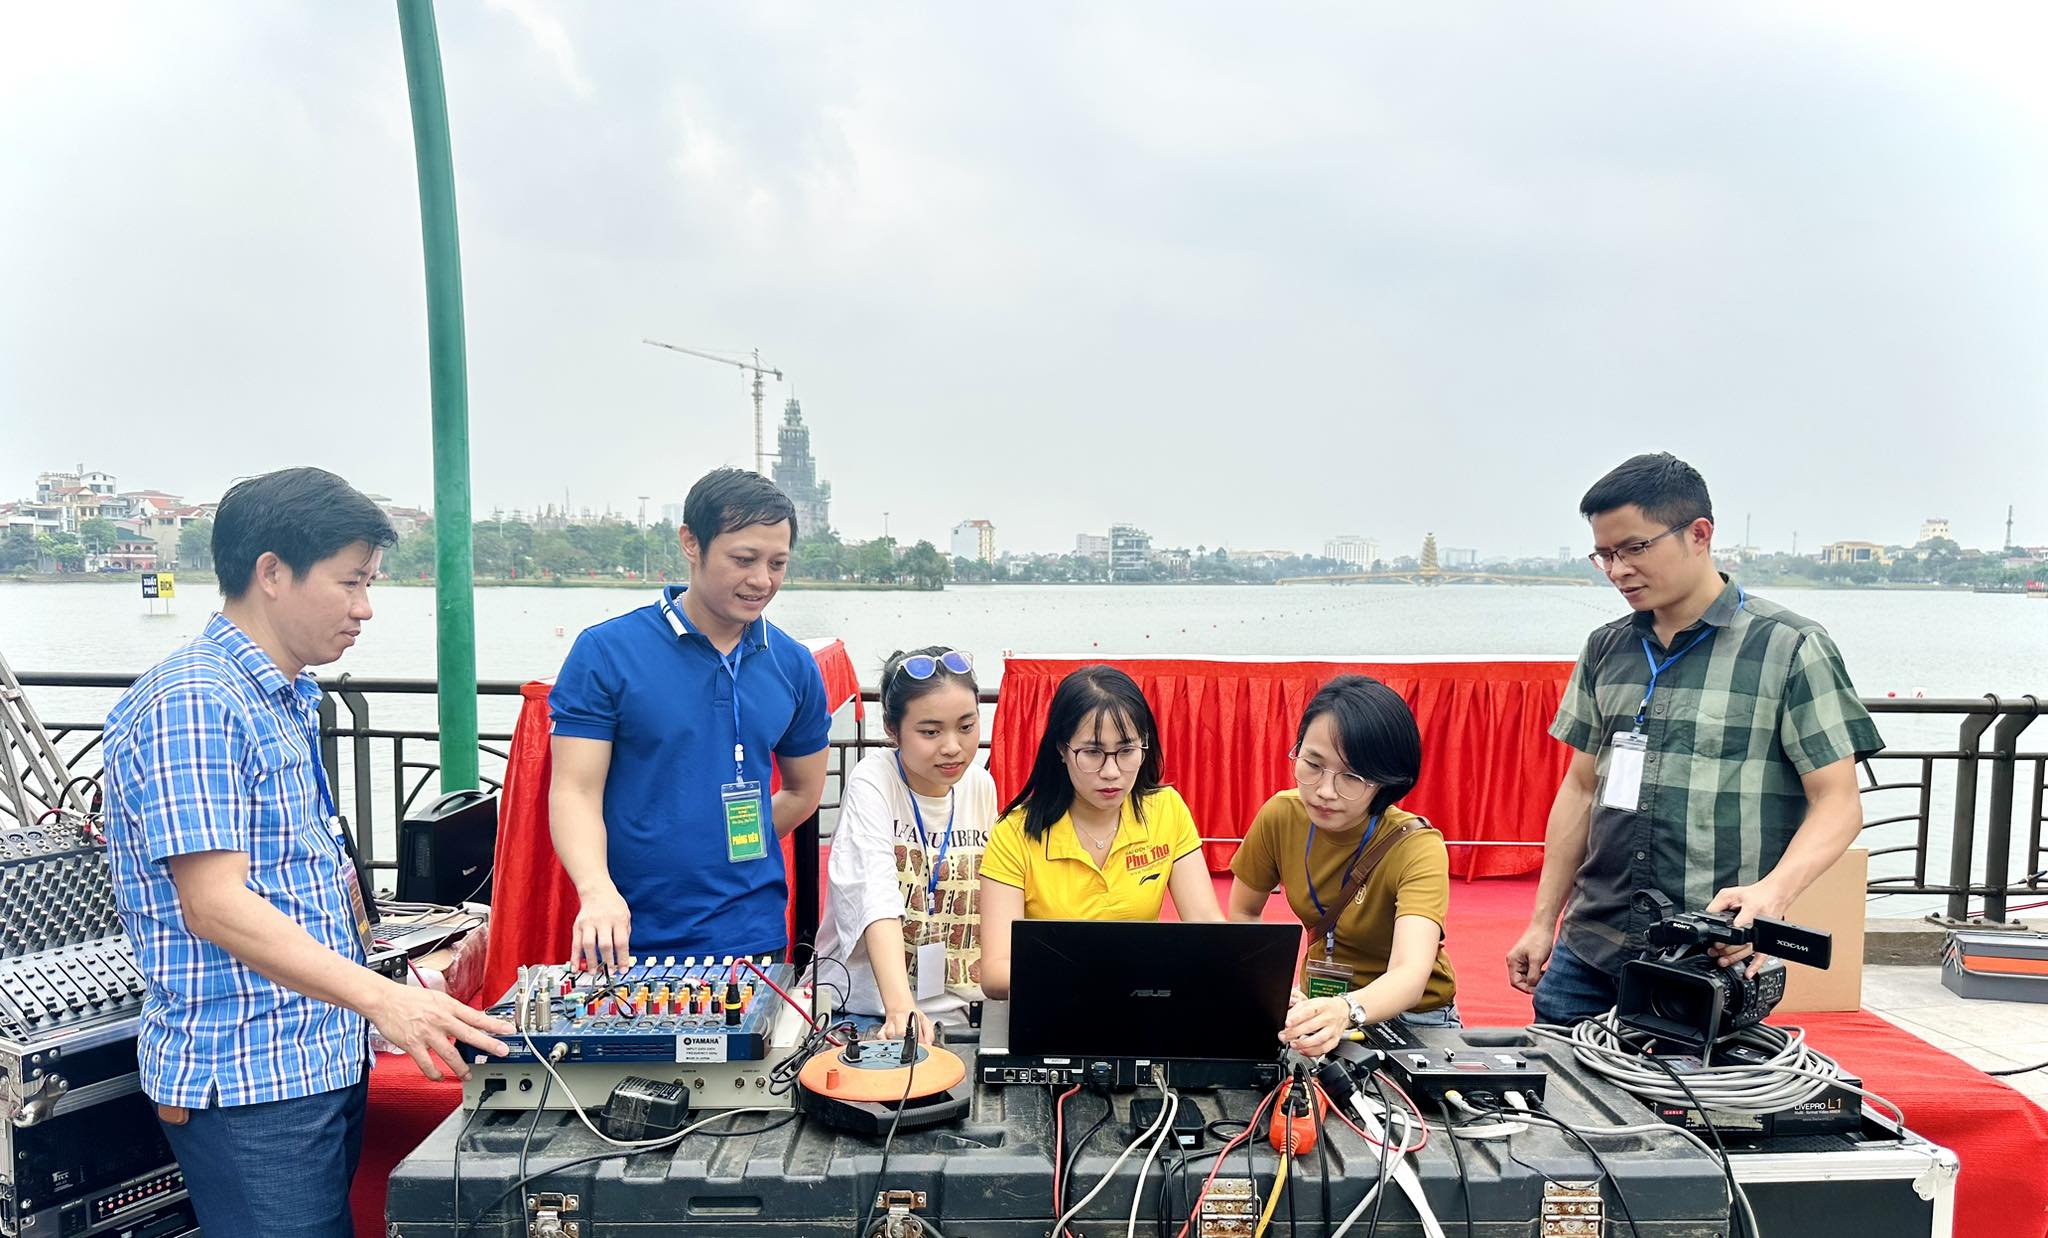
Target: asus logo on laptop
1151	992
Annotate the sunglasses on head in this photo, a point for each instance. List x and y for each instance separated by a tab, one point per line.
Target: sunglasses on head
924	665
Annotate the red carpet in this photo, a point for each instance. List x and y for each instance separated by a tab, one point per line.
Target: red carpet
2001	1136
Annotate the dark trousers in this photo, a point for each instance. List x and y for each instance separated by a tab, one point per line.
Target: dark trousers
280	1169
1572	989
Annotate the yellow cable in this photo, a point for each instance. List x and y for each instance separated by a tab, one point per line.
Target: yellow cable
1273	1200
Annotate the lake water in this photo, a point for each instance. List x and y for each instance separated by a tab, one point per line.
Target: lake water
1941	644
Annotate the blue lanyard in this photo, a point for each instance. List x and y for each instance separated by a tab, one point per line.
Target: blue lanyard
931	888
320	774
731	664
1658	668
1314	897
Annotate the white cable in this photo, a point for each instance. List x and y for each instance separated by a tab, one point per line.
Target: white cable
1792	1073
578	1107
1172	1103
1403	1174
1059	1226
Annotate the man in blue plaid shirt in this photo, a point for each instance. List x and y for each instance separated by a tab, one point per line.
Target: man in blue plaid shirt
1715	738
236	885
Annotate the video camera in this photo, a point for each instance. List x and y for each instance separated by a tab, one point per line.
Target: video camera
1683	995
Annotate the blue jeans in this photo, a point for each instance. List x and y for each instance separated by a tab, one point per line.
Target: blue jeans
1572	989
280	1169
1445	1015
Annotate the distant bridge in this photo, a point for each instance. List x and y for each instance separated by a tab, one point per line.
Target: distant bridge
1424	576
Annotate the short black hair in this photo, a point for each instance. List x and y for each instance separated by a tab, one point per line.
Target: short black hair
1048	793
728	500
1376	735
301	515
1670	491
899	690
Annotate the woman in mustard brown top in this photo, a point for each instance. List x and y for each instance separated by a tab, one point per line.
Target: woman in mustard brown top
1371	883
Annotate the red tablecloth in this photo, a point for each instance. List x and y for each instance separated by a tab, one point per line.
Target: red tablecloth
1489	766
534	927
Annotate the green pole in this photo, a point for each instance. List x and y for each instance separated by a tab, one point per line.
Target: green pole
454	587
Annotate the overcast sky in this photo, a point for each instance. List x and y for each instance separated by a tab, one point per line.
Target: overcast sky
1244	274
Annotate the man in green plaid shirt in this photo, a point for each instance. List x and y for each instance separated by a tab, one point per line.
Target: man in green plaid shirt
1716	736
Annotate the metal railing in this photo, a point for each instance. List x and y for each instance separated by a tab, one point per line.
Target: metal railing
395	764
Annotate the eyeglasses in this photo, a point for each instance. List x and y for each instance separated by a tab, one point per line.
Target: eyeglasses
924	665
1090	759
1309	774
1604	559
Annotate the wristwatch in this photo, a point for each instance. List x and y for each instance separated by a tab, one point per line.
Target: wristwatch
1357	1011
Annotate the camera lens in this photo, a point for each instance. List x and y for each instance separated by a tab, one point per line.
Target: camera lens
1686	1004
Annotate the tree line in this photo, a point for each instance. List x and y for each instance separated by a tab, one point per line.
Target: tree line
516	550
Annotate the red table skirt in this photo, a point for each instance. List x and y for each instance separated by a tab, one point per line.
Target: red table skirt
1489	766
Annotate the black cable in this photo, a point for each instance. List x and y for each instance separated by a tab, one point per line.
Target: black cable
889	1140
1736	1218
609	1154
539	1108
1599	1161
456	1169
2018	1070
1387	1155
774	1123
1067	1169
1323	1175
1464	1182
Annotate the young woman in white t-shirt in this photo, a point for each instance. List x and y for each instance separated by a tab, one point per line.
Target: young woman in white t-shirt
903	880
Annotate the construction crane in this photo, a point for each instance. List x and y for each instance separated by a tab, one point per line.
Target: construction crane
753	367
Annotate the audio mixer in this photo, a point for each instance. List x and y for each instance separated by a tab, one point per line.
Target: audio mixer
80	1150
714	1020
652	1010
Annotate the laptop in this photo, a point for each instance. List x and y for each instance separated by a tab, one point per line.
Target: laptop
1137	991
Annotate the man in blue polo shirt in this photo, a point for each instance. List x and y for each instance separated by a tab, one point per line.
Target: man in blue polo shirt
664	721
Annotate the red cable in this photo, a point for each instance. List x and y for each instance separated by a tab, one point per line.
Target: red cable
1059	1144
1420	1124
793	1003
1223	1156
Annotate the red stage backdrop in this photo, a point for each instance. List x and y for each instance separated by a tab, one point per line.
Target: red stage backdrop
1489	766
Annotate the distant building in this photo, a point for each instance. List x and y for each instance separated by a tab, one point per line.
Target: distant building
1130	551
975	540
1933	527
797	474
1459	557
1091	546
1854	552
1352	549
673	513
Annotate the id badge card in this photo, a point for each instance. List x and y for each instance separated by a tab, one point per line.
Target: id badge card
1326	979
930	979
745	837
1623	786
358	909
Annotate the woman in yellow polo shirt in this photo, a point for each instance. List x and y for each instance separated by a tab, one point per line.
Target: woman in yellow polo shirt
1370	882
1093	835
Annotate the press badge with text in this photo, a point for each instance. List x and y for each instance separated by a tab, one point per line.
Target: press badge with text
1623	787
745	839
1327	979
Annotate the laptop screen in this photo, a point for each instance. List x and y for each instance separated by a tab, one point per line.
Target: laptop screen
1143	988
